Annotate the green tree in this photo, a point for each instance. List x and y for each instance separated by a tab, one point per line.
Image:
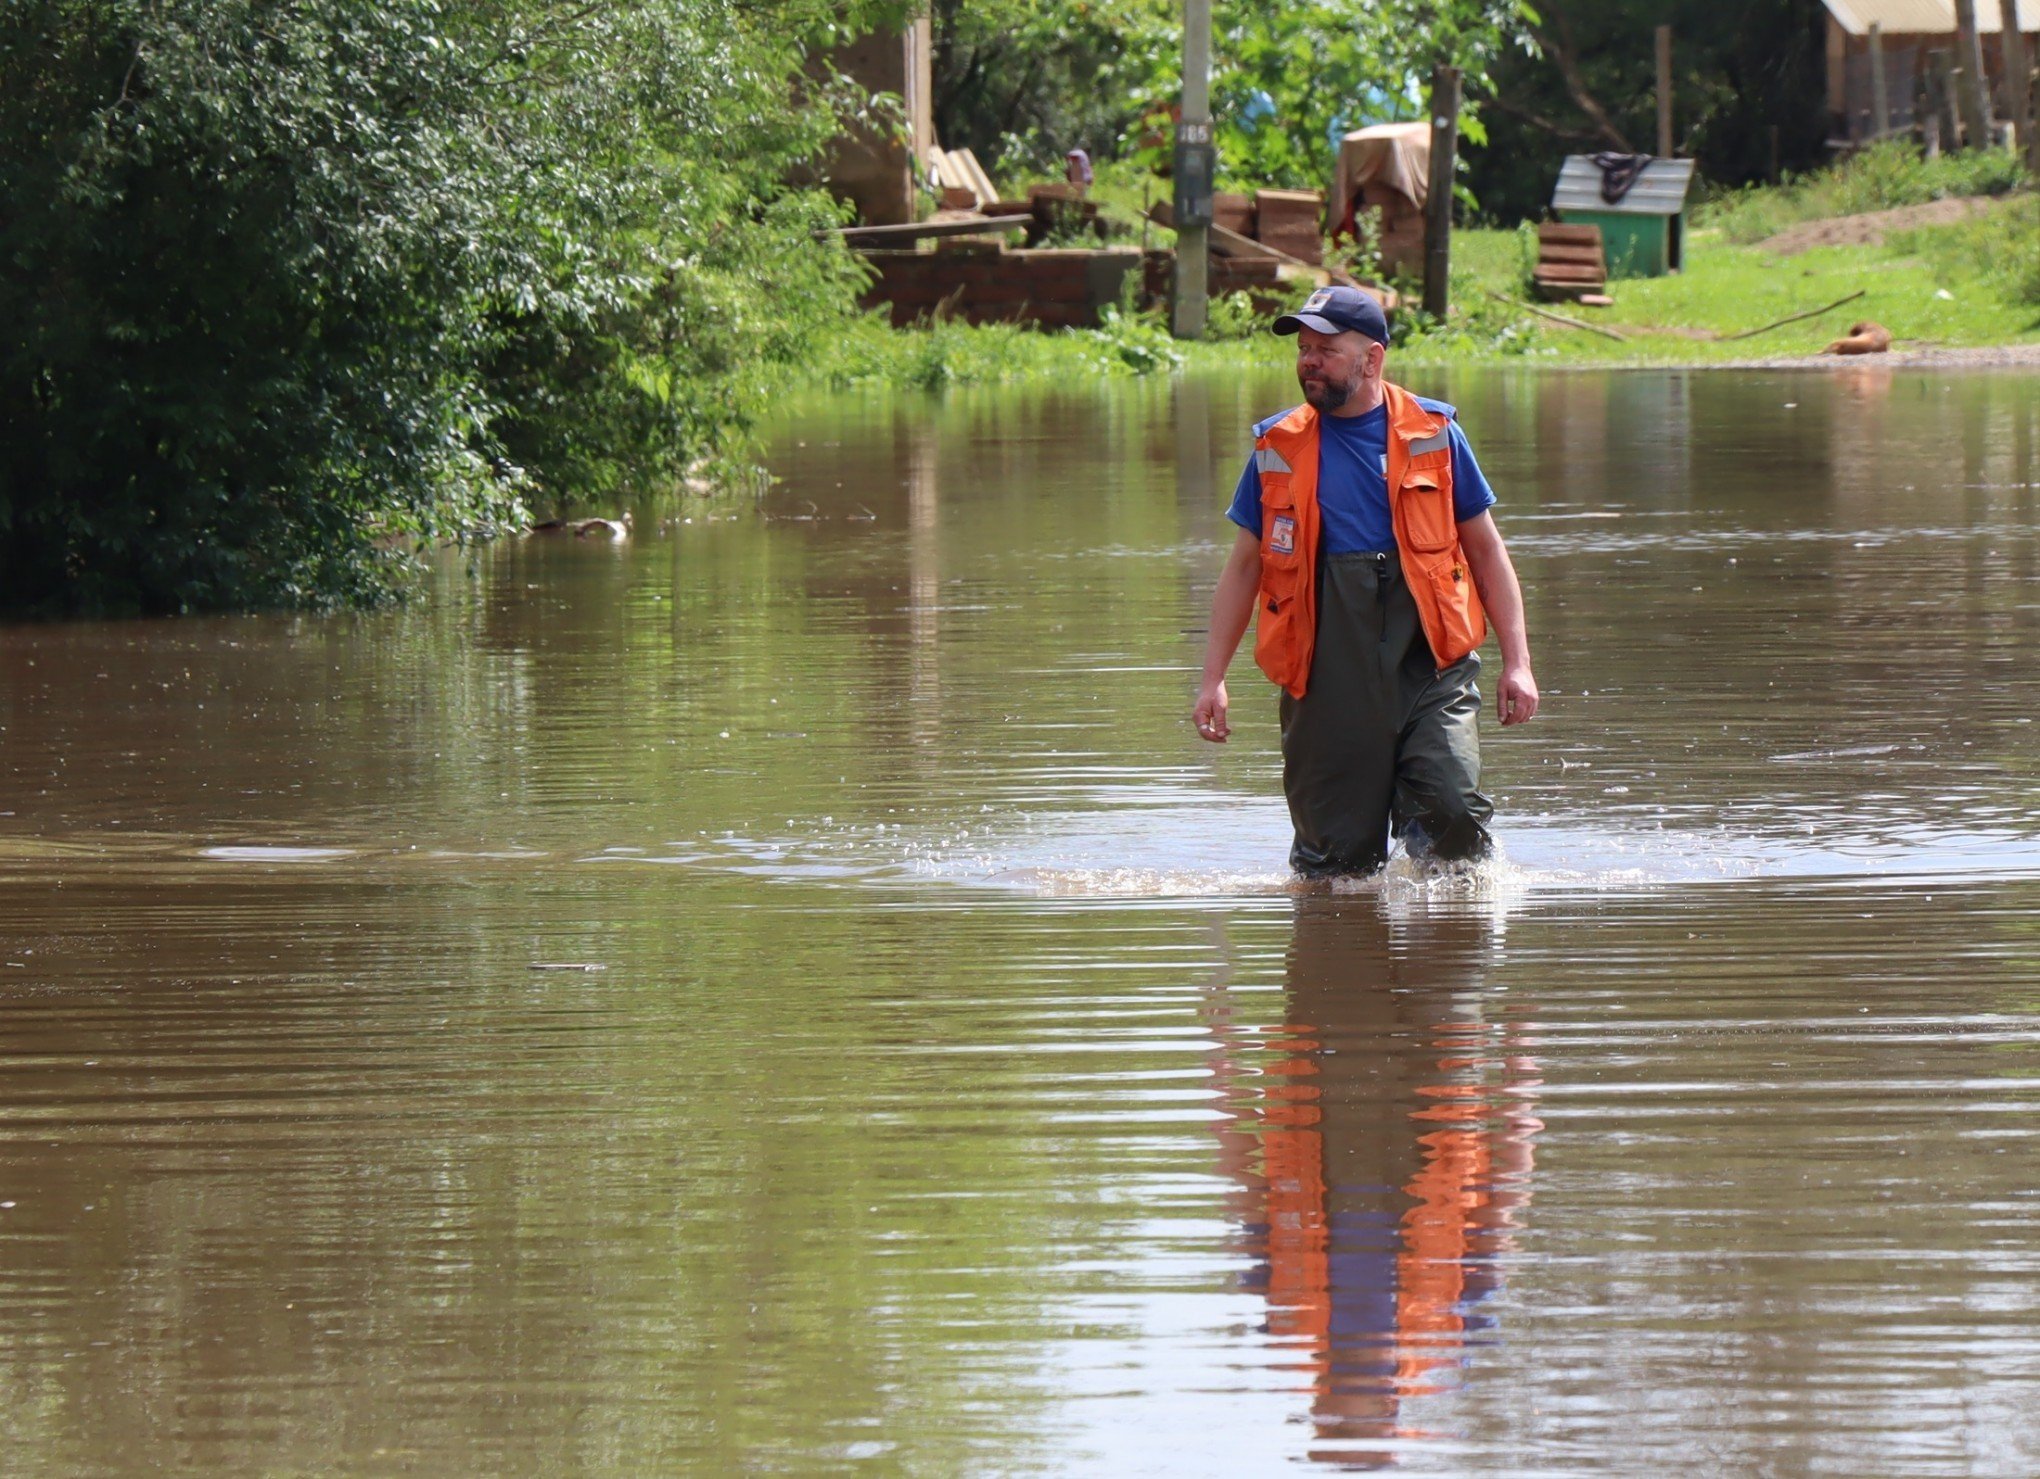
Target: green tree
1741	70
1292	76
1020	82
295	286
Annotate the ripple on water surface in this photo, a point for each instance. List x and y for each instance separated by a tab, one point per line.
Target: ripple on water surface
790	993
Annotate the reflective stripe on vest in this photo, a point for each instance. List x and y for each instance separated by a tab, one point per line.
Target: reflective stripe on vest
1426	536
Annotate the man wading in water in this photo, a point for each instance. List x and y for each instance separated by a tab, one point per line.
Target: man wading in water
1368	607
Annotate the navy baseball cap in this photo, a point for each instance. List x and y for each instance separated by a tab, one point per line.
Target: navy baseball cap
1334	311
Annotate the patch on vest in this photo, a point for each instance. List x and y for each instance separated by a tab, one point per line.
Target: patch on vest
1282	538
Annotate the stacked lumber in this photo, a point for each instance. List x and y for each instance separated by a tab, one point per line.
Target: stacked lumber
1569	262
1234	212
956	171
1398	228
1291	221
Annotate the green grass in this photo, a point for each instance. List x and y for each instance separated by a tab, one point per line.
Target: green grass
1971	283
1956	285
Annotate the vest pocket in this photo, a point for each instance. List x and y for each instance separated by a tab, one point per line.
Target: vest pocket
1427	512
1279	640
1279	525
1462	624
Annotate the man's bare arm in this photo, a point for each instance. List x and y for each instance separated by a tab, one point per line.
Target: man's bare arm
1232	607
1494	576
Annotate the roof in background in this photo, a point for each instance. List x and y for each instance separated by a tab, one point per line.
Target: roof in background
1659	191
1924	17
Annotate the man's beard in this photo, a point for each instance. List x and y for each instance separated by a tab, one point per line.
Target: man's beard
1328	393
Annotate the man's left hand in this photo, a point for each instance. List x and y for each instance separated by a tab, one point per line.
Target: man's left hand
1516	696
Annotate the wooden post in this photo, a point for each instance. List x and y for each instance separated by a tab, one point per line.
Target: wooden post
1971	94
1880	91
2018	76
1941	92
1193	241
1438	203
1926	112
1664	92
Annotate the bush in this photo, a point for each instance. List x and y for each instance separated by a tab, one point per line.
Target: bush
1234	316
295	286
1139	342
2001	247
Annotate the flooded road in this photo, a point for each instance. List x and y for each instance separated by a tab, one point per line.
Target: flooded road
789	992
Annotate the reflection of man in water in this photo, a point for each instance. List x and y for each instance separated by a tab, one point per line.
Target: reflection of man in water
1369	606
1383	1140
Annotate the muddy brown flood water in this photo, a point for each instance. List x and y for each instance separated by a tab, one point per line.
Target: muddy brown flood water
949	1080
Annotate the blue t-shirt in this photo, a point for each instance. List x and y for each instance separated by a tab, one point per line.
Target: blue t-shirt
1353	482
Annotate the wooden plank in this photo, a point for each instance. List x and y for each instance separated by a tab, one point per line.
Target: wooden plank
916	230
1579	255
1552	231
1300	241
1232	244
974	172
1289	205
1560	272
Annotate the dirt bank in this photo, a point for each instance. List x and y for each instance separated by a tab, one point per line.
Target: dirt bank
1869	229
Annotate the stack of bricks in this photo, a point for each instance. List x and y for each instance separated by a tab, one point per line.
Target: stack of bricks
981	282
1291	221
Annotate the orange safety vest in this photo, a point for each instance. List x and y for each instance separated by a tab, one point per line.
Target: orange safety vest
1426	536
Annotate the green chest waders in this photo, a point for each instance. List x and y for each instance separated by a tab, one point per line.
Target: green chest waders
1381	743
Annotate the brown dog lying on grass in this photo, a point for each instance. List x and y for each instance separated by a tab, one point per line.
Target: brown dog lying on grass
1863	338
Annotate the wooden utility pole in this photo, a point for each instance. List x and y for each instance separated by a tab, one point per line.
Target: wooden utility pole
1194	166
1438	203
2018	77
1880	91
1971	95
1664	92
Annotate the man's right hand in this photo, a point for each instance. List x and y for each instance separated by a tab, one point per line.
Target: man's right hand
1209	713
